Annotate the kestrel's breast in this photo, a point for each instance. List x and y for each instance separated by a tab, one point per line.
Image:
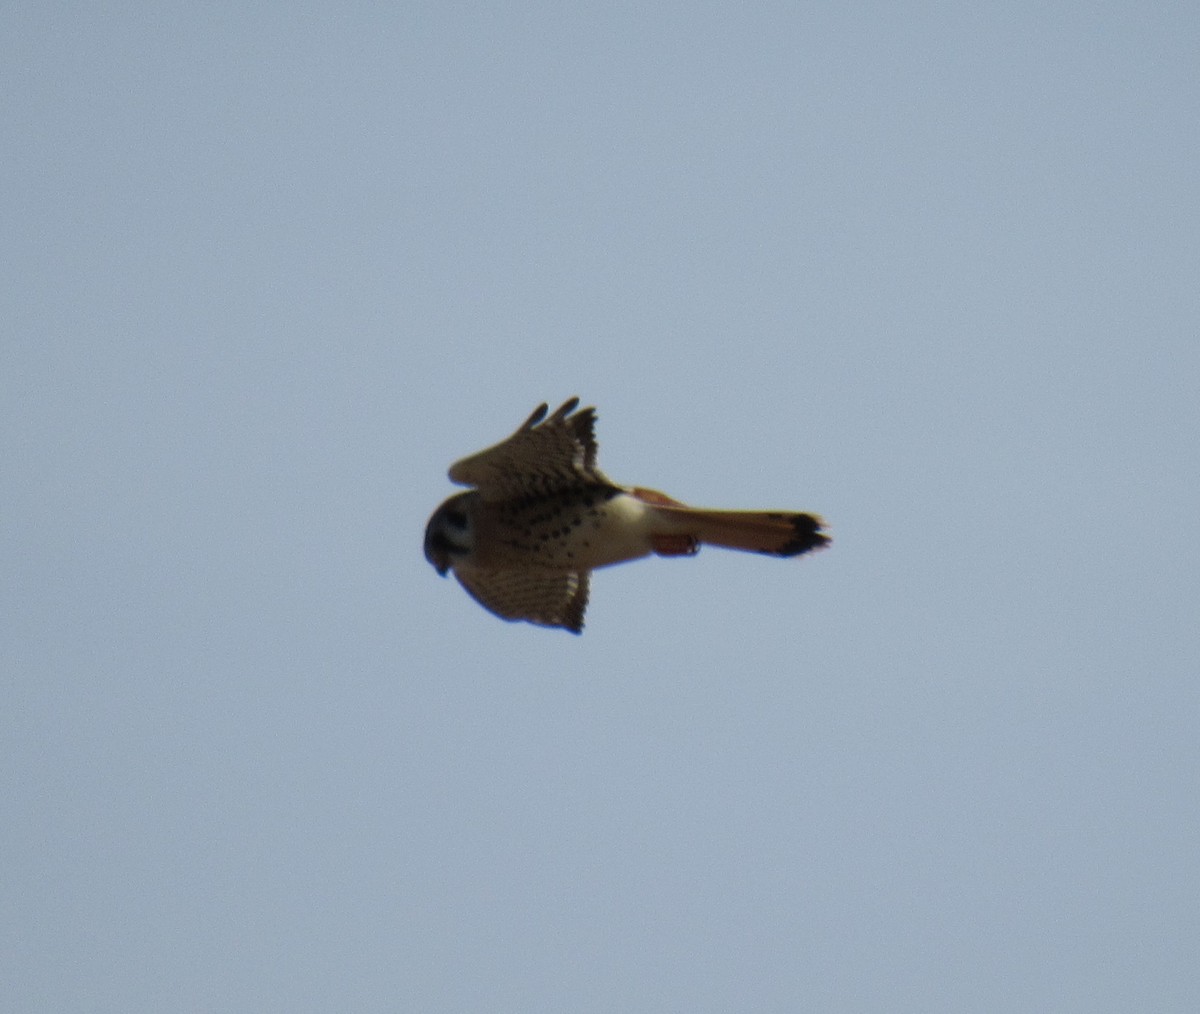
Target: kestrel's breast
582	529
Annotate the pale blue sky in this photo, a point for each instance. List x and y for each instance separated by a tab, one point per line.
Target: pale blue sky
932	271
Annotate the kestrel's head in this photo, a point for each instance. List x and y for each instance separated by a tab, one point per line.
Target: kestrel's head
449	536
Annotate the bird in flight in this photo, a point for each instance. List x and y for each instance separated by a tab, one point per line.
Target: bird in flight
542	517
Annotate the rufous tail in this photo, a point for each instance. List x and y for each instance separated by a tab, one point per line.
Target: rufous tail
776	533
773	532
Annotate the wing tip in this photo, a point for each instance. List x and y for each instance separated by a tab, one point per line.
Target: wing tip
536	417
539	415
565	409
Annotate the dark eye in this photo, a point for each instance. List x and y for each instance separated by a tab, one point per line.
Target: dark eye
457	518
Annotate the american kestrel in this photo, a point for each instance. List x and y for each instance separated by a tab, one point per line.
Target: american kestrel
542	517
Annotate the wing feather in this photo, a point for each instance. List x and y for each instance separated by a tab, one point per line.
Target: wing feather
547	598
544	455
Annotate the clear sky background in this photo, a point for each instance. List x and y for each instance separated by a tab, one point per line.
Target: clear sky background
932	271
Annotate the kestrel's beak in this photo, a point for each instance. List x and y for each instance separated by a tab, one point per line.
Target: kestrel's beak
435	548
438	558
448	534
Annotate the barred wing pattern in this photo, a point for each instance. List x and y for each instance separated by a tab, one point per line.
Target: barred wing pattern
547	598
543	456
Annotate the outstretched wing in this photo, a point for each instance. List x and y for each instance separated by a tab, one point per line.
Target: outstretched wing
548	598
543	456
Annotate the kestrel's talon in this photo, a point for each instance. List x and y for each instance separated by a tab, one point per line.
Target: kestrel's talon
675	545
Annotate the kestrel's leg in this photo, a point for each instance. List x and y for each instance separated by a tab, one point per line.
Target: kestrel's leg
675	545
655	497
663	544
